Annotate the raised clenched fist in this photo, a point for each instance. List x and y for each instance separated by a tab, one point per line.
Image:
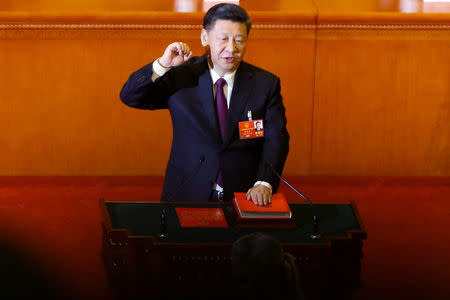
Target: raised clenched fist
175	54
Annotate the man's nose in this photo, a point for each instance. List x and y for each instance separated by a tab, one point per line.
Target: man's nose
231	45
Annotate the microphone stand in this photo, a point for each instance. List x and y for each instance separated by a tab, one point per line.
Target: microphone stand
163	229
315	225
167	199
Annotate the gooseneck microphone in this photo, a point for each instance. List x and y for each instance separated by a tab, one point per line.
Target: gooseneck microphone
293	188
170	197
315	228
163	224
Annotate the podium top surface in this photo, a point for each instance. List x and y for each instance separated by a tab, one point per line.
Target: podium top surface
144	219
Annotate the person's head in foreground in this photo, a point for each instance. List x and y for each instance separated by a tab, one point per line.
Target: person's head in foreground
262	270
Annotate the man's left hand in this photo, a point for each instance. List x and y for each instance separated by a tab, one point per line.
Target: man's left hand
260	195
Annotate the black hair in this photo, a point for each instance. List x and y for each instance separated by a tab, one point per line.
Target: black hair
226	11
257	258
22	277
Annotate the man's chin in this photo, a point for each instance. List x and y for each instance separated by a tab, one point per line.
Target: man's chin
229	68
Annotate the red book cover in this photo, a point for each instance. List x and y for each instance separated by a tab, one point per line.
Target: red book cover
278	209
201	217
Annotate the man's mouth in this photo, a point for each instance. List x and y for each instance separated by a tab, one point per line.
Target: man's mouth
229	59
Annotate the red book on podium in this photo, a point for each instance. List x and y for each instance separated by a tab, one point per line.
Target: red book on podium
201	217
275	214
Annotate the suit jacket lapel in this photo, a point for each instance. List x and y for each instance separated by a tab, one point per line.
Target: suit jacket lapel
205	94
242	87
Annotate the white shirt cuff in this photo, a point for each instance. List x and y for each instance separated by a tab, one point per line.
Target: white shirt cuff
158	70
264	183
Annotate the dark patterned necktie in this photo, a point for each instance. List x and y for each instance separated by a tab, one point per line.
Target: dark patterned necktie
222	111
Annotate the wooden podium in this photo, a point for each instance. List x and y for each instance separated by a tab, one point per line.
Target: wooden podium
196	261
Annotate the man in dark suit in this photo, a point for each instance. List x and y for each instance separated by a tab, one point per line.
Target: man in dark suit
208	97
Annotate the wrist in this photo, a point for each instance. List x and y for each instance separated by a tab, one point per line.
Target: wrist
264	183
163	63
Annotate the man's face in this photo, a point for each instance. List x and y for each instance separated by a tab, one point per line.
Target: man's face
226	44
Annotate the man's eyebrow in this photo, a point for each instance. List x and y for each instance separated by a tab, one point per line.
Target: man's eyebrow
228	33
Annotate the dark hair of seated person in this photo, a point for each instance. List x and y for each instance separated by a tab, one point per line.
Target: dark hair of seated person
262	270
21	278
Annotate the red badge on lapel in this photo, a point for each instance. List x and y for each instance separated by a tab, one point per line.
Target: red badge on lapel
251	129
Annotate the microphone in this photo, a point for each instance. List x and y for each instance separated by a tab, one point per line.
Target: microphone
163	229
170	197
315	230
163	224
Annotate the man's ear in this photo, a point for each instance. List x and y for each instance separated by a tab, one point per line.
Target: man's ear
204	37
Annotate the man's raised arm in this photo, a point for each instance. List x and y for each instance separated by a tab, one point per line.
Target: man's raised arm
142	89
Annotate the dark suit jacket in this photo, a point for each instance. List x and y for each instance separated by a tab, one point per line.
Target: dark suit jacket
197	148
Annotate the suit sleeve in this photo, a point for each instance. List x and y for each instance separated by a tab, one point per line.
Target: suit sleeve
276	138
141	92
